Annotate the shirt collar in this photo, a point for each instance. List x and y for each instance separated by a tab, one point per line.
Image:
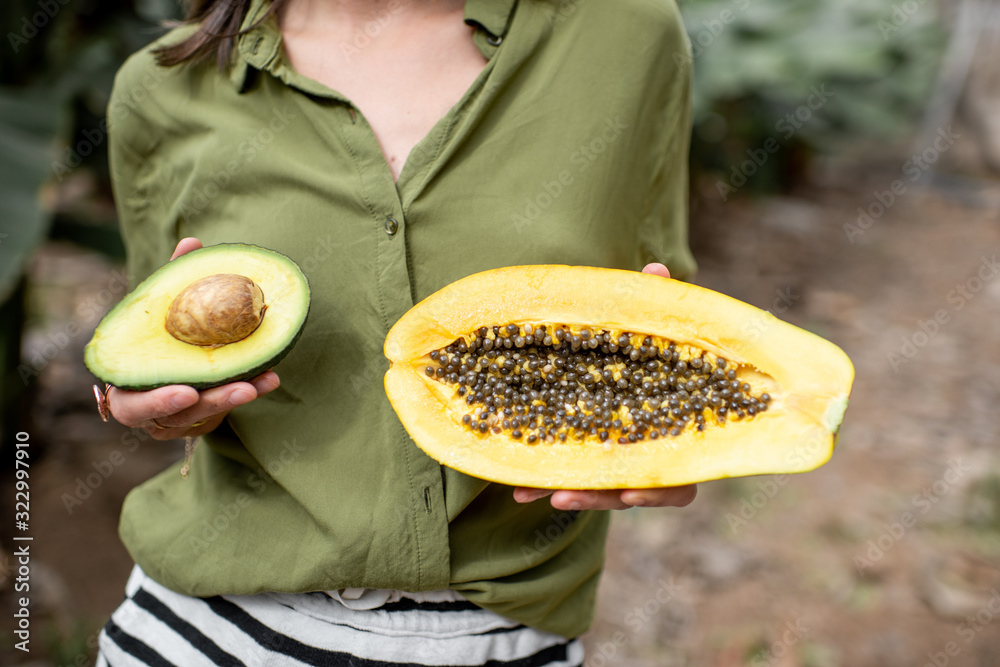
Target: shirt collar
493	16
260	41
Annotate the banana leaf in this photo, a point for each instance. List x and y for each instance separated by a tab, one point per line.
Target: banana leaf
28	126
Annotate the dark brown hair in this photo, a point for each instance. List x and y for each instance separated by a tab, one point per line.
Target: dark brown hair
218	24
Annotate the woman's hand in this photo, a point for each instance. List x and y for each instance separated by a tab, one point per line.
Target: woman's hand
614	499
611	499
177	411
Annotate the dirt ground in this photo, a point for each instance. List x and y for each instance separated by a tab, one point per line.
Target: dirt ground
887	556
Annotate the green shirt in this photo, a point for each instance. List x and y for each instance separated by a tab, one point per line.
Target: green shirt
569	148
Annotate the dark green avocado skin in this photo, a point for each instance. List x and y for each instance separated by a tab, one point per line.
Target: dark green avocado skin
208	384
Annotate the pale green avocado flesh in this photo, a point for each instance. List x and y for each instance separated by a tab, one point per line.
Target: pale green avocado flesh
132	348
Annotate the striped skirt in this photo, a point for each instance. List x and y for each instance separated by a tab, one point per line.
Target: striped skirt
358	627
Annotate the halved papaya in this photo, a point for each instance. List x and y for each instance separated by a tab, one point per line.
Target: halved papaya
590	378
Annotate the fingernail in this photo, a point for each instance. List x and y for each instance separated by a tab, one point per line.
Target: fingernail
240	396
181	401
575	505
529	496
637	502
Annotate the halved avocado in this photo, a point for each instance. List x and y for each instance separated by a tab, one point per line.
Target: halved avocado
133	349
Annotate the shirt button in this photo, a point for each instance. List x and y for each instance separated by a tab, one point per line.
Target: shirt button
391	226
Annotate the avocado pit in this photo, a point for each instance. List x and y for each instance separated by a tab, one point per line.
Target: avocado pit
216	310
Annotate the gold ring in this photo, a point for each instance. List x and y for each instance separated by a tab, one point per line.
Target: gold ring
201	423
103	408
159	425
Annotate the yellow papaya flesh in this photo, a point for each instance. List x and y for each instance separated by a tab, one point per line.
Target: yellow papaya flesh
589	378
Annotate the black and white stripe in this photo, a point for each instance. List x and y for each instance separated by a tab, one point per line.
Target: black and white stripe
160	628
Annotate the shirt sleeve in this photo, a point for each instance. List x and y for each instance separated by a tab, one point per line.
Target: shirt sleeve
664	231
132	140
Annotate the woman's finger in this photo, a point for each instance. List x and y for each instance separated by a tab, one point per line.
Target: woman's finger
657	269
134	408
184	246
178	410
265	383
524	494
211	403
588	500
212	407
672	496
218	401
617	499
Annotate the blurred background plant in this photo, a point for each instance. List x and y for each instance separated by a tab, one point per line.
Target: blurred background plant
815	77
57	65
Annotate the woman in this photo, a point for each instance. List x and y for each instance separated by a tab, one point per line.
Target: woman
390	148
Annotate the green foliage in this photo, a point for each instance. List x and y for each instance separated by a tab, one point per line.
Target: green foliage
27	125
758	66
56	71
57	65
70	642
983	504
